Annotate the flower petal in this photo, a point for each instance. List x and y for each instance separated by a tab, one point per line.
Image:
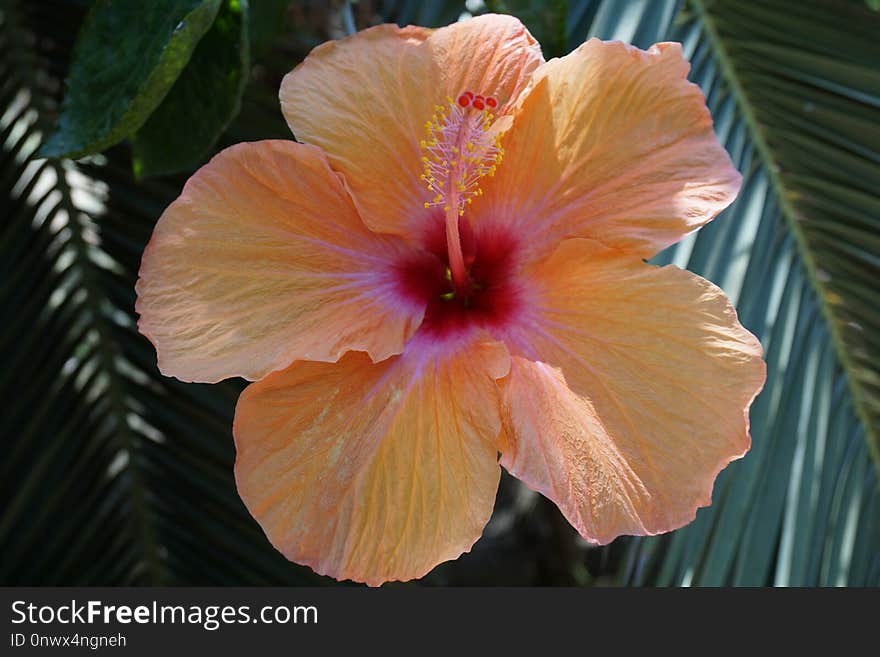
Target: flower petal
263	260
365	99
611	143
630	394
373	472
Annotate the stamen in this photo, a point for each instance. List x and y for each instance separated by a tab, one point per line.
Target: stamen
459	150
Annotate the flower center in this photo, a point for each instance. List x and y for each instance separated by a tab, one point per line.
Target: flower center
460	148
491	298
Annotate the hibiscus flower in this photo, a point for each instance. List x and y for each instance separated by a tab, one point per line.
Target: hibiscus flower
445	275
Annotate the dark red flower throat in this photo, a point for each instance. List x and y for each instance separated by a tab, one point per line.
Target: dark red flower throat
489	297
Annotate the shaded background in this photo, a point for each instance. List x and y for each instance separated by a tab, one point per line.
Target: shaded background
114	474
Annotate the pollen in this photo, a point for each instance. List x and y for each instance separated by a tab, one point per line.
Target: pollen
459	149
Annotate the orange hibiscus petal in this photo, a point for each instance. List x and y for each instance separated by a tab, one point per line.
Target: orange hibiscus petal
611	143
365	100
263	260
373	472
634	393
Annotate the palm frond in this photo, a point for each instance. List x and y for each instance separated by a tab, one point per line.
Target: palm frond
795	253
114	474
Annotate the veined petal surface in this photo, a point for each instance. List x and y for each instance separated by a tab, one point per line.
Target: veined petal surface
629	391
373	471
263	260
611	143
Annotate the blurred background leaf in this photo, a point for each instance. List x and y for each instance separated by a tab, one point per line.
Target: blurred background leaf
546	21
116	475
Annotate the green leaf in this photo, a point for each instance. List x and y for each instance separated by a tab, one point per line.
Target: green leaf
127	57
202	102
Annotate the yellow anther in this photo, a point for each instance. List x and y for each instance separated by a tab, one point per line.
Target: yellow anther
446	160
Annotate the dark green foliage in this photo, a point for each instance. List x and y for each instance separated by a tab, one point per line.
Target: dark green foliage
112	473
546	21
265	24
205	98
419	12
127	57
